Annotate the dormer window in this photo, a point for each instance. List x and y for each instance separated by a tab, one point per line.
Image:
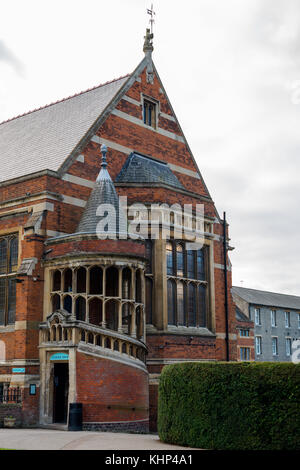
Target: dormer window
149	113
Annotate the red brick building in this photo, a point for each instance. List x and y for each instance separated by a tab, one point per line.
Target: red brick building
94	320
245	337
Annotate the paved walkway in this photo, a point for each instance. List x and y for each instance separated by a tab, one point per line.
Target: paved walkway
46	439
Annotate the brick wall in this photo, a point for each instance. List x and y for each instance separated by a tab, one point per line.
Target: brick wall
111	391
104	383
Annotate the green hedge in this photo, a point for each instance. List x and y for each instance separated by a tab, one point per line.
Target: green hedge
230	405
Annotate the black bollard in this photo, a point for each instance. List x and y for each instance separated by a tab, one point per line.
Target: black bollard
75	417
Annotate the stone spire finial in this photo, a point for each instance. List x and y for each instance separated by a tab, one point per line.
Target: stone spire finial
148	49
104	152
148	44
103	175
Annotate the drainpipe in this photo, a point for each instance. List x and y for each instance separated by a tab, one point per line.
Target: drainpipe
226	286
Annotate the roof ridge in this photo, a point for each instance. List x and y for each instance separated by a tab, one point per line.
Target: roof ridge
267	291
64	99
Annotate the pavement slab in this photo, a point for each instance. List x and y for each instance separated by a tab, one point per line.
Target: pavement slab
49	439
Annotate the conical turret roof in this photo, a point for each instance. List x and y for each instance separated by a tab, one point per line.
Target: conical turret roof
103	214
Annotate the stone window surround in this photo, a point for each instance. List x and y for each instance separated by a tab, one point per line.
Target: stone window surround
187	281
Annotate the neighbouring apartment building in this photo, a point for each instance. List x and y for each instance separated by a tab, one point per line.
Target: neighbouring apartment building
276	319
89	312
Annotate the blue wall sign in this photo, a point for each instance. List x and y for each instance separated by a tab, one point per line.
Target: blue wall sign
18	370
59	357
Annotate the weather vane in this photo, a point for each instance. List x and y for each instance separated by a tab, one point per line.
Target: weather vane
151	12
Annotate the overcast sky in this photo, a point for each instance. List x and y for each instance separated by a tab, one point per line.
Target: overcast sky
232	72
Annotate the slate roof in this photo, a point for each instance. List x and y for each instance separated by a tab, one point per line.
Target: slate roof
142	169
44	138
103	193
240	316
269	299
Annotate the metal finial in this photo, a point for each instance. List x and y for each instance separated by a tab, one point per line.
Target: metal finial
104	152
151	12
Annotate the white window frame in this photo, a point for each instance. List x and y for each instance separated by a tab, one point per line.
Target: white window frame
258	345
274	342
287	319
257	316
288	350
273	318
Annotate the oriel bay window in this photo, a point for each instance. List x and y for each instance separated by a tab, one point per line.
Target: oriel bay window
8	269
186	284
108	296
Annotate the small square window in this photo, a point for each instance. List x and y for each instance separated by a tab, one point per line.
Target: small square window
244	333
150	113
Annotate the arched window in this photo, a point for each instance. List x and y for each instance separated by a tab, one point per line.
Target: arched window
179	260
192	305
138	286
81	280
96	280
68	276
149	294
171	302
68	303
80	308
56	282
126	317
112	282
148	249
126	283
170	261
95	311
55	303
111	314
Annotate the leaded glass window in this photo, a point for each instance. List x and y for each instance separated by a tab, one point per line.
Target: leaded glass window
8	268
187	285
